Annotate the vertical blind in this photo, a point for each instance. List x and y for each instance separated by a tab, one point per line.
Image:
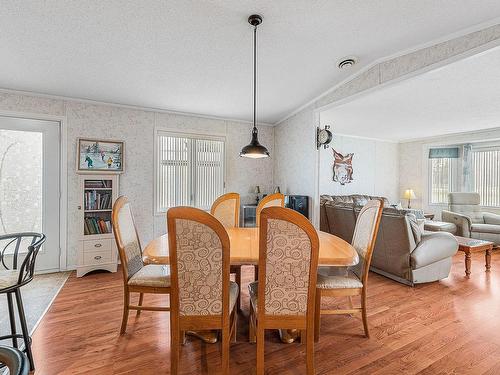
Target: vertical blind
486	176
442	178
190	171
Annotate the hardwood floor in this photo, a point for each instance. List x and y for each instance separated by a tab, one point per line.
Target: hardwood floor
445	327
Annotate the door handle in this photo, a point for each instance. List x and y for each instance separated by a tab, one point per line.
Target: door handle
97	257
97	245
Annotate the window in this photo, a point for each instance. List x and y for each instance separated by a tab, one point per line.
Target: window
190	170
442	179
486	176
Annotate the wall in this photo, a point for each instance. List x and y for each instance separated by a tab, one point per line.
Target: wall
375	168
297	162
414	160
136	127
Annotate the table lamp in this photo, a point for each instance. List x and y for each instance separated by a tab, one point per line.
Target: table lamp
409	194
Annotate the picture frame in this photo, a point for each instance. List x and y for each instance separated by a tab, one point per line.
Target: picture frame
100	156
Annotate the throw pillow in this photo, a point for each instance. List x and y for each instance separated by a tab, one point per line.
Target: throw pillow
417	227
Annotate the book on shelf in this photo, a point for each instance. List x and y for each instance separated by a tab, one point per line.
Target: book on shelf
94	200
97	184
96	225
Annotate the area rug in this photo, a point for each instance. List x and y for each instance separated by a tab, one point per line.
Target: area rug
37	296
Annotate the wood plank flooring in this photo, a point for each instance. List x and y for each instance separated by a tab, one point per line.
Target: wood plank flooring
447	327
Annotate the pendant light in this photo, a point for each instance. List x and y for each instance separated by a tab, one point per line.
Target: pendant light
254	150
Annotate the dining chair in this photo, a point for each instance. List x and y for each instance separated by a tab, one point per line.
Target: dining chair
137	277
13	278
284	296
203	297
352	281
272	200
226	209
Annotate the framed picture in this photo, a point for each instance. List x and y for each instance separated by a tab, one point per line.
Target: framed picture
95	155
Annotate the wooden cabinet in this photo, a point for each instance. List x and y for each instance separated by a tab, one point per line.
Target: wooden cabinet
97	249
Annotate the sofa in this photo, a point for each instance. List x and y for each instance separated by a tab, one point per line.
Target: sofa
467	214
403	251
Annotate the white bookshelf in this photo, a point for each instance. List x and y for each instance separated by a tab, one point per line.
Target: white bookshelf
97	249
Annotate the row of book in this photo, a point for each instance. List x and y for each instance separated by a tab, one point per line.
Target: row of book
96	225
99	184
97	201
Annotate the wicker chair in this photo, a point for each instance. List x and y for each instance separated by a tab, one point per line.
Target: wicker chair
137	277
351	281
12	279
283	298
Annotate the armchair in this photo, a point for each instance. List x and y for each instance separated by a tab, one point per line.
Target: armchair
466	213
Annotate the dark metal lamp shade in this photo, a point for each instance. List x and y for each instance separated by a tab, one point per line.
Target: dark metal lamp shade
254	150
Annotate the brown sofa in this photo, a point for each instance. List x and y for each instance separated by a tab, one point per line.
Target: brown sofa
401	252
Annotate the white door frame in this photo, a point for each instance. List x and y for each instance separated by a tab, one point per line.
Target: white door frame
63	177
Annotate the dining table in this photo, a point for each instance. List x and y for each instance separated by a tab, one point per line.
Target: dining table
244	242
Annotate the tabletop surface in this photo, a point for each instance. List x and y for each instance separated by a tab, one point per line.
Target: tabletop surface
472	242
333	251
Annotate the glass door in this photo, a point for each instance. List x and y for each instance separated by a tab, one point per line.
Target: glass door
29	183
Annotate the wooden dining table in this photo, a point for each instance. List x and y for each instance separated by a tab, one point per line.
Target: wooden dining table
333	251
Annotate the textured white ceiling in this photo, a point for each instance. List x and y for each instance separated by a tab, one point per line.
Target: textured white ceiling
195	56
459	97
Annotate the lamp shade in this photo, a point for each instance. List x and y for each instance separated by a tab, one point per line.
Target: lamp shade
409	194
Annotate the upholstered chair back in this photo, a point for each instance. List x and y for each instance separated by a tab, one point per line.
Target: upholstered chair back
365	235
272	200
127	240
467	204
226	209
199	259
288	261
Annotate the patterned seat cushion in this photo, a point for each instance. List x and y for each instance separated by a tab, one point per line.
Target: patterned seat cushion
153	275
8	278
253	289
234	290
338	282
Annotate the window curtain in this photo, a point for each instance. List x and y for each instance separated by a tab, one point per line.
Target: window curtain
444	153
467	178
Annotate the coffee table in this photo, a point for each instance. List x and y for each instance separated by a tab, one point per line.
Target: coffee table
471	245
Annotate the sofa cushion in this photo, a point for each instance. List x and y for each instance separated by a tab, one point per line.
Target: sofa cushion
485	228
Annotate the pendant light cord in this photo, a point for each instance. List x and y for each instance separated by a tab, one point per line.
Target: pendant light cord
254	79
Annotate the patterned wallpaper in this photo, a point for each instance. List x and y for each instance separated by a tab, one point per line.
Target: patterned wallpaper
136	128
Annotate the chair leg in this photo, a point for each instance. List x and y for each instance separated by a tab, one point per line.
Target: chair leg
260	351
363	313
237	278
310	352
126	302
24	328
141	297
225	351
256	273
317	315
251	325
12	319
234	326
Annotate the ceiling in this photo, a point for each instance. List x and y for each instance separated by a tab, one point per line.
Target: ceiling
196	56
459	97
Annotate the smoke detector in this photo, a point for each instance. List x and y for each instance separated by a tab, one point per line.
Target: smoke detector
347	62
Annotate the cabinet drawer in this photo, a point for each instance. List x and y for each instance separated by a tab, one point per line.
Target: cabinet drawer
97	245
97	257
